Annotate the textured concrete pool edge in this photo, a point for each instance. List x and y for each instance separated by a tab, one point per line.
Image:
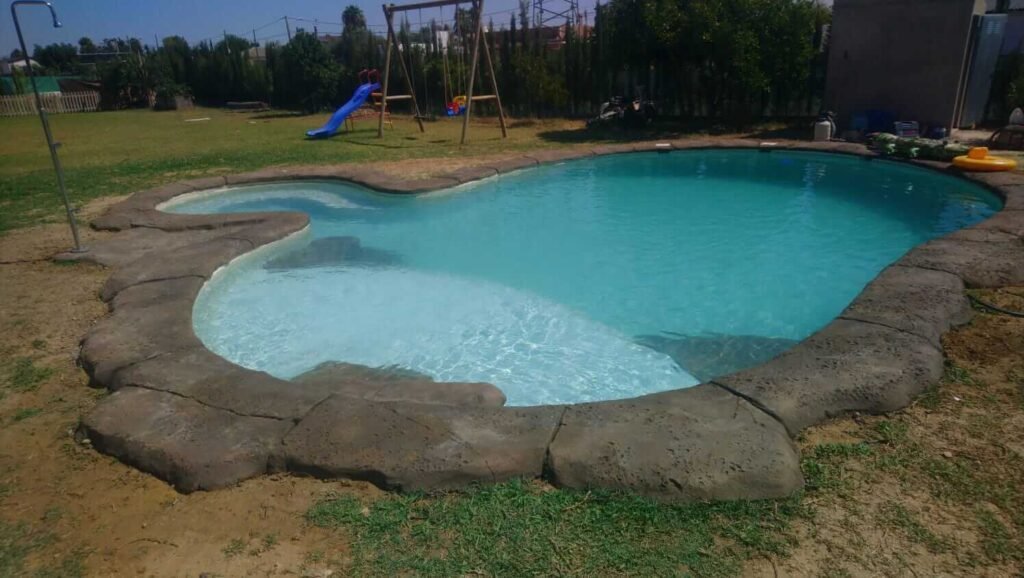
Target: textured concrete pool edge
200	422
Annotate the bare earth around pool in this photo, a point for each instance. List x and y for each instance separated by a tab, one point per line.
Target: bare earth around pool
199	421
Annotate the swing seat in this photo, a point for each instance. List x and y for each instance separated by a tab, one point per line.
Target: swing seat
393	96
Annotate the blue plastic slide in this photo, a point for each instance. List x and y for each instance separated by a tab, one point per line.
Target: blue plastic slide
342	113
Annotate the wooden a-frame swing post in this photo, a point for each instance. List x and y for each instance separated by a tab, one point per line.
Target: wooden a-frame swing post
478	32
490	68
393	43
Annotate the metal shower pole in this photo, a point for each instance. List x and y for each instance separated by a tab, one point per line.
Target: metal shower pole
42	115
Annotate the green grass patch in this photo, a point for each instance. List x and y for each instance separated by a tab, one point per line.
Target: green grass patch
997	542
23	375
931	398
26	413
522	529
892	432
234	548
953	373
895	515
18	541
825	465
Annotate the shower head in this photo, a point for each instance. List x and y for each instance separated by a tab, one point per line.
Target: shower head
53	13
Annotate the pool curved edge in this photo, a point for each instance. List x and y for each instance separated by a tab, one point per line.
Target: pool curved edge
199	421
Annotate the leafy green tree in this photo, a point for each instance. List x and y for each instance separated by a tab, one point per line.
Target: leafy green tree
57	58
311	76
353	19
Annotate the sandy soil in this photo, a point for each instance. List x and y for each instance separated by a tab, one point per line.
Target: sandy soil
118	521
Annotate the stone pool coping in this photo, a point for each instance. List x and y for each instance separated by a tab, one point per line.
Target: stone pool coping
199	421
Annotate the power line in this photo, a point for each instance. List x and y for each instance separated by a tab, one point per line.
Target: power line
268	24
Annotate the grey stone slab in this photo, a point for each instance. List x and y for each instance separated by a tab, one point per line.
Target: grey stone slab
700	443
512	164
1013	197
996	179
396	384
472	173
274	227
419	185
733	143
374	179
182	291
981	235
836	147
613	149
979	264
133	244
192	446
205	377
133	334
924	302
204	183
849	366
690	143
196	260
557	156
420	447
117	218
653	146
1006	221
184	222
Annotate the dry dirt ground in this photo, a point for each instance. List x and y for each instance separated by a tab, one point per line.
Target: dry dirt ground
933	490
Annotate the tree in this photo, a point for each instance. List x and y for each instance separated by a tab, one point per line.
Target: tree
57	58
311	76
86	45
353	19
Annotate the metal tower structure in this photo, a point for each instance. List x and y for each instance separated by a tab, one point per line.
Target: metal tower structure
555	13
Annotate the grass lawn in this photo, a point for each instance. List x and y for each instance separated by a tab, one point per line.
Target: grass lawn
115	153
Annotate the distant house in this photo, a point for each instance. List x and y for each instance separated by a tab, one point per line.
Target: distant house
257	53
8	66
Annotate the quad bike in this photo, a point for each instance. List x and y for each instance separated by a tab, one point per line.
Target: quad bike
633	113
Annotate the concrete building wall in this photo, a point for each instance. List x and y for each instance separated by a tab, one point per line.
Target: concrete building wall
902	56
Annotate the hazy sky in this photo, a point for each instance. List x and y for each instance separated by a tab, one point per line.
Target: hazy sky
198	19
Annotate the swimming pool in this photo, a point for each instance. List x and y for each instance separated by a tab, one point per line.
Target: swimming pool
600	278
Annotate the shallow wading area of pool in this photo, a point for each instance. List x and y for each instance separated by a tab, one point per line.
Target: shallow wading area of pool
656	322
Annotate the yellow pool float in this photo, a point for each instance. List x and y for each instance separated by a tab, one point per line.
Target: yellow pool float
978	159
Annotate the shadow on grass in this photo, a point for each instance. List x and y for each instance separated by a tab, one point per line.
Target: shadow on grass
273	114
797	129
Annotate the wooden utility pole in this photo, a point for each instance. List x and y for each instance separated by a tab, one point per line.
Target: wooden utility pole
288	28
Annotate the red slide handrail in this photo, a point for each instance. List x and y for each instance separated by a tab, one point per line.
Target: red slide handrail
370	74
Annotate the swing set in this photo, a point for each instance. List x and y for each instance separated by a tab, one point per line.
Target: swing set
463	102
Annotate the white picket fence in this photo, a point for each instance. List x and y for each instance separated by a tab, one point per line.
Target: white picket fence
53	102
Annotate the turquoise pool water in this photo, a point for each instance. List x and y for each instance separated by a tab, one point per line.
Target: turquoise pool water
595	279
